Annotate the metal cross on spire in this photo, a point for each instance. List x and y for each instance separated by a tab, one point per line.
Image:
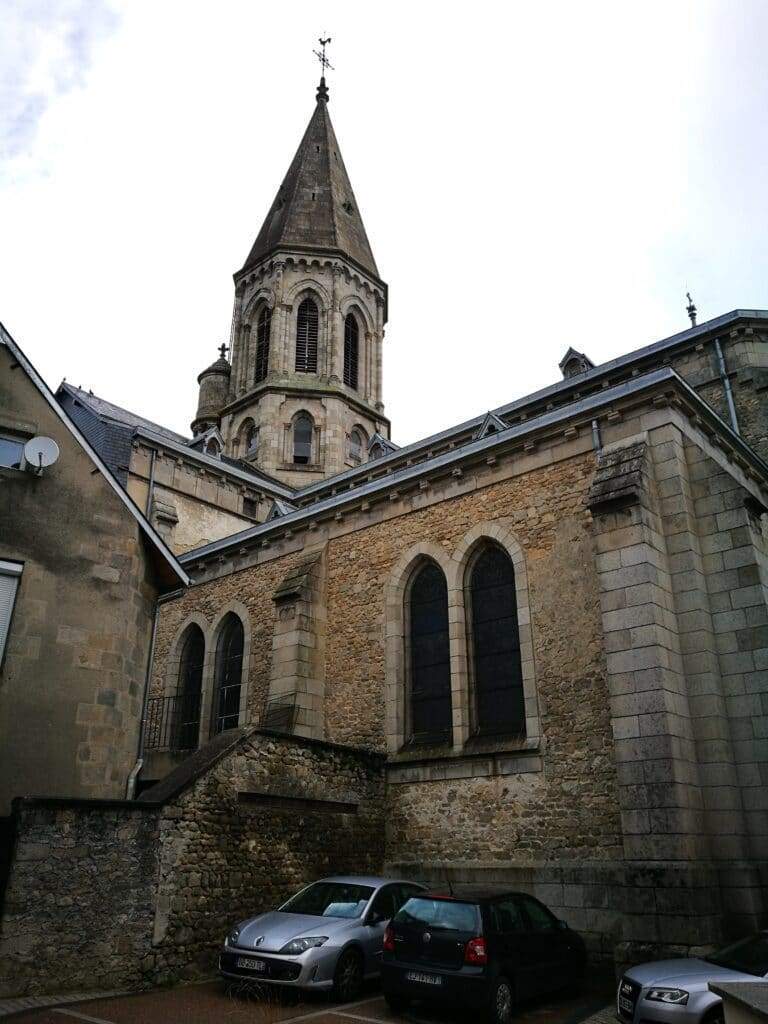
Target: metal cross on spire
223	349
324	62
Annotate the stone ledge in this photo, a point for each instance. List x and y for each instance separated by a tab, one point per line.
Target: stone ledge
510	760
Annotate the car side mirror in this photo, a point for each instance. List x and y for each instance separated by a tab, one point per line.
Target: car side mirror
375	917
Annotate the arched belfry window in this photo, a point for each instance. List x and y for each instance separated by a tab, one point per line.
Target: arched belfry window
429	682
351	350
263	326
497	675
307	320
186	710
303	429
356	444
228	675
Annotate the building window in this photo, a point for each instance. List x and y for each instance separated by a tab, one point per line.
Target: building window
228	675
251	508
351	346
306	337
497	675
303	428
429	682
356	445
250	440
11	452
262	344
186	711
10	573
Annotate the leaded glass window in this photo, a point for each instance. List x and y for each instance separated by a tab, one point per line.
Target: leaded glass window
497	676
228	675
430	660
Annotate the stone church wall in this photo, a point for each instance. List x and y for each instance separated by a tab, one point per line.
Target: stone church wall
114	895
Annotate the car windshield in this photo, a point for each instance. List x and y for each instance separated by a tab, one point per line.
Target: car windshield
449	915
329	899
747	955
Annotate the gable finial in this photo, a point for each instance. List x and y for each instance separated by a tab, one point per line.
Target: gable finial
223	349
322	90
691	309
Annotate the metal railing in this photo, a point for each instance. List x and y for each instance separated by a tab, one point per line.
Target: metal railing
173	723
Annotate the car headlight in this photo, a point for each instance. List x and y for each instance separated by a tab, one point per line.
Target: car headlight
296	946
233	936
668	995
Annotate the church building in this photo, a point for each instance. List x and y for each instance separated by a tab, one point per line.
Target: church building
549	623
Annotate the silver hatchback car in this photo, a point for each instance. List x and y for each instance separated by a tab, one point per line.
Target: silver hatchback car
677	991
328	936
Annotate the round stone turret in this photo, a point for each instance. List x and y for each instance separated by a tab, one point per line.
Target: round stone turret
214	389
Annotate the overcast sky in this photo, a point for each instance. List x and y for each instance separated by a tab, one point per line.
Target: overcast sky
531	176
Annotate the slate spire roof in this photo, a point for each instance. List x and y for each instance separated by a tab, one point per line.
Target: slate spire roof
315	206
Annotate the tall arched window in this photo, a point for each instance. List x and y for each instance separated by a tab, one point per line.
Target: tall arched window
303	428
497	675
263	326
351	347
356	445
186	710
306	337
228	675
430	660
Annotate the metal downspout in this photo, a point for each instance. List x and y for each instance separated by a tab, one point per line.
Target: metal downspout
726	385
151	487
130	788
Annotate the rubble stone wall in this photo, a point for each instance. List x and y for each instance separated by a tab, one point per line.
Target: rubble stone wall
123	895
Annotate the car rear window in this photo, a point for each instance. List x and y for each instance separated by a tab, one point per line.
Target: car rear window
450	915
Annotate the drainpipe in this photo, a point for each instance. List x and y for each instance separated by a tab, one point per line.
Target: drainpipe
596	439
726	384
130	789
148	509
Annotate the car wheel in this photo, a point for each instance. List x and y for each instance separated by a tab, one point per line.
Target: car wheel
500	1002
348	976
396	1003
715	1016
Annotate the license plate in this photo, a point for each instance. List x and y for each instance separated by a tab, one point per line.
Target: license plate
250	965
425	979
626	1005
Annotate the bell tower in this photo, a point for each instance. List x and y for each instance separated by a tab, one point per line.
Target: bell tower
305	391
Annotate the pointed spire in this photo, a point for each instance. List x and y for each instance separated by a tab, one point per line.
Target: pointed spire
315	206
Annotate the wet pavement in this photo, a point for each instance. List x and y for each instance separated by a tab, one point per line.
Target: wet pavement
208	1002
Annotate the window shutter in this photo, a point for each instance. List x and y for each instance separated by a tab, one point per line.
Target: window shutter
10	573
351	347
262	344
306	337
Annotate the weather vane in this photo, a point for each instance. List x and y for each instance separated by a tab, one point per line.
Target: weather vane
324	62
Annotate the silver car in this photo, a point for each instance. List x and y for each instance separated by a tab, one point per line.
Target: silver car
327	937
677	991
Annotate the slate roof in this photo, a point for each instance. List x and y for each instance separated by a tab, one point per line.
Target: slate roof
315	206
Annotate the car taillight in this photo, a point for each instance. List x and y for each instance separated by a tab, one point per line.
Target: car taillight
389	939
475	951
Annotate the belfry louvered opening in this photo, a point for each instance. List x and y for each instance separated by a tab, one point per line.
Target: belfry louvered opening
262	344
307	320
351	349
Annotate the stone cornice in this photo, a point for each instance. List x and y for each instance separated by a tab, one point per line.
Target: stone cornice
659	388
304	391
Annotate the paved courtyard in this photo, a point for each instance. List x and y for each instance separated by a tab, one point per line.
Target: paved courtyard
204	1003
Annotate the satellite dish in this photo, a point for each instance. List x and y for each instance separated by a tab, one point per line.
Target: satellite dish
40	452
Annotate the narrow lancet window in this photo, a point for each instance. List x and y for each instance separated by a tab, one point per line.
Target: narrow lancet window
499	703
430	661
186	709
228	678
306	337
262	344
351	349
303	429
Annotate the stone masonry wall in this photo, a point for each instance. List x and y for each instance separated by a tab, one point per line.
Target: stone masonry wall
131	894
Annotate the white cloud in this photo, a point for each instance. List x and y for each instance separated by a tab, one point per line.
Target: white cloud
531	176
